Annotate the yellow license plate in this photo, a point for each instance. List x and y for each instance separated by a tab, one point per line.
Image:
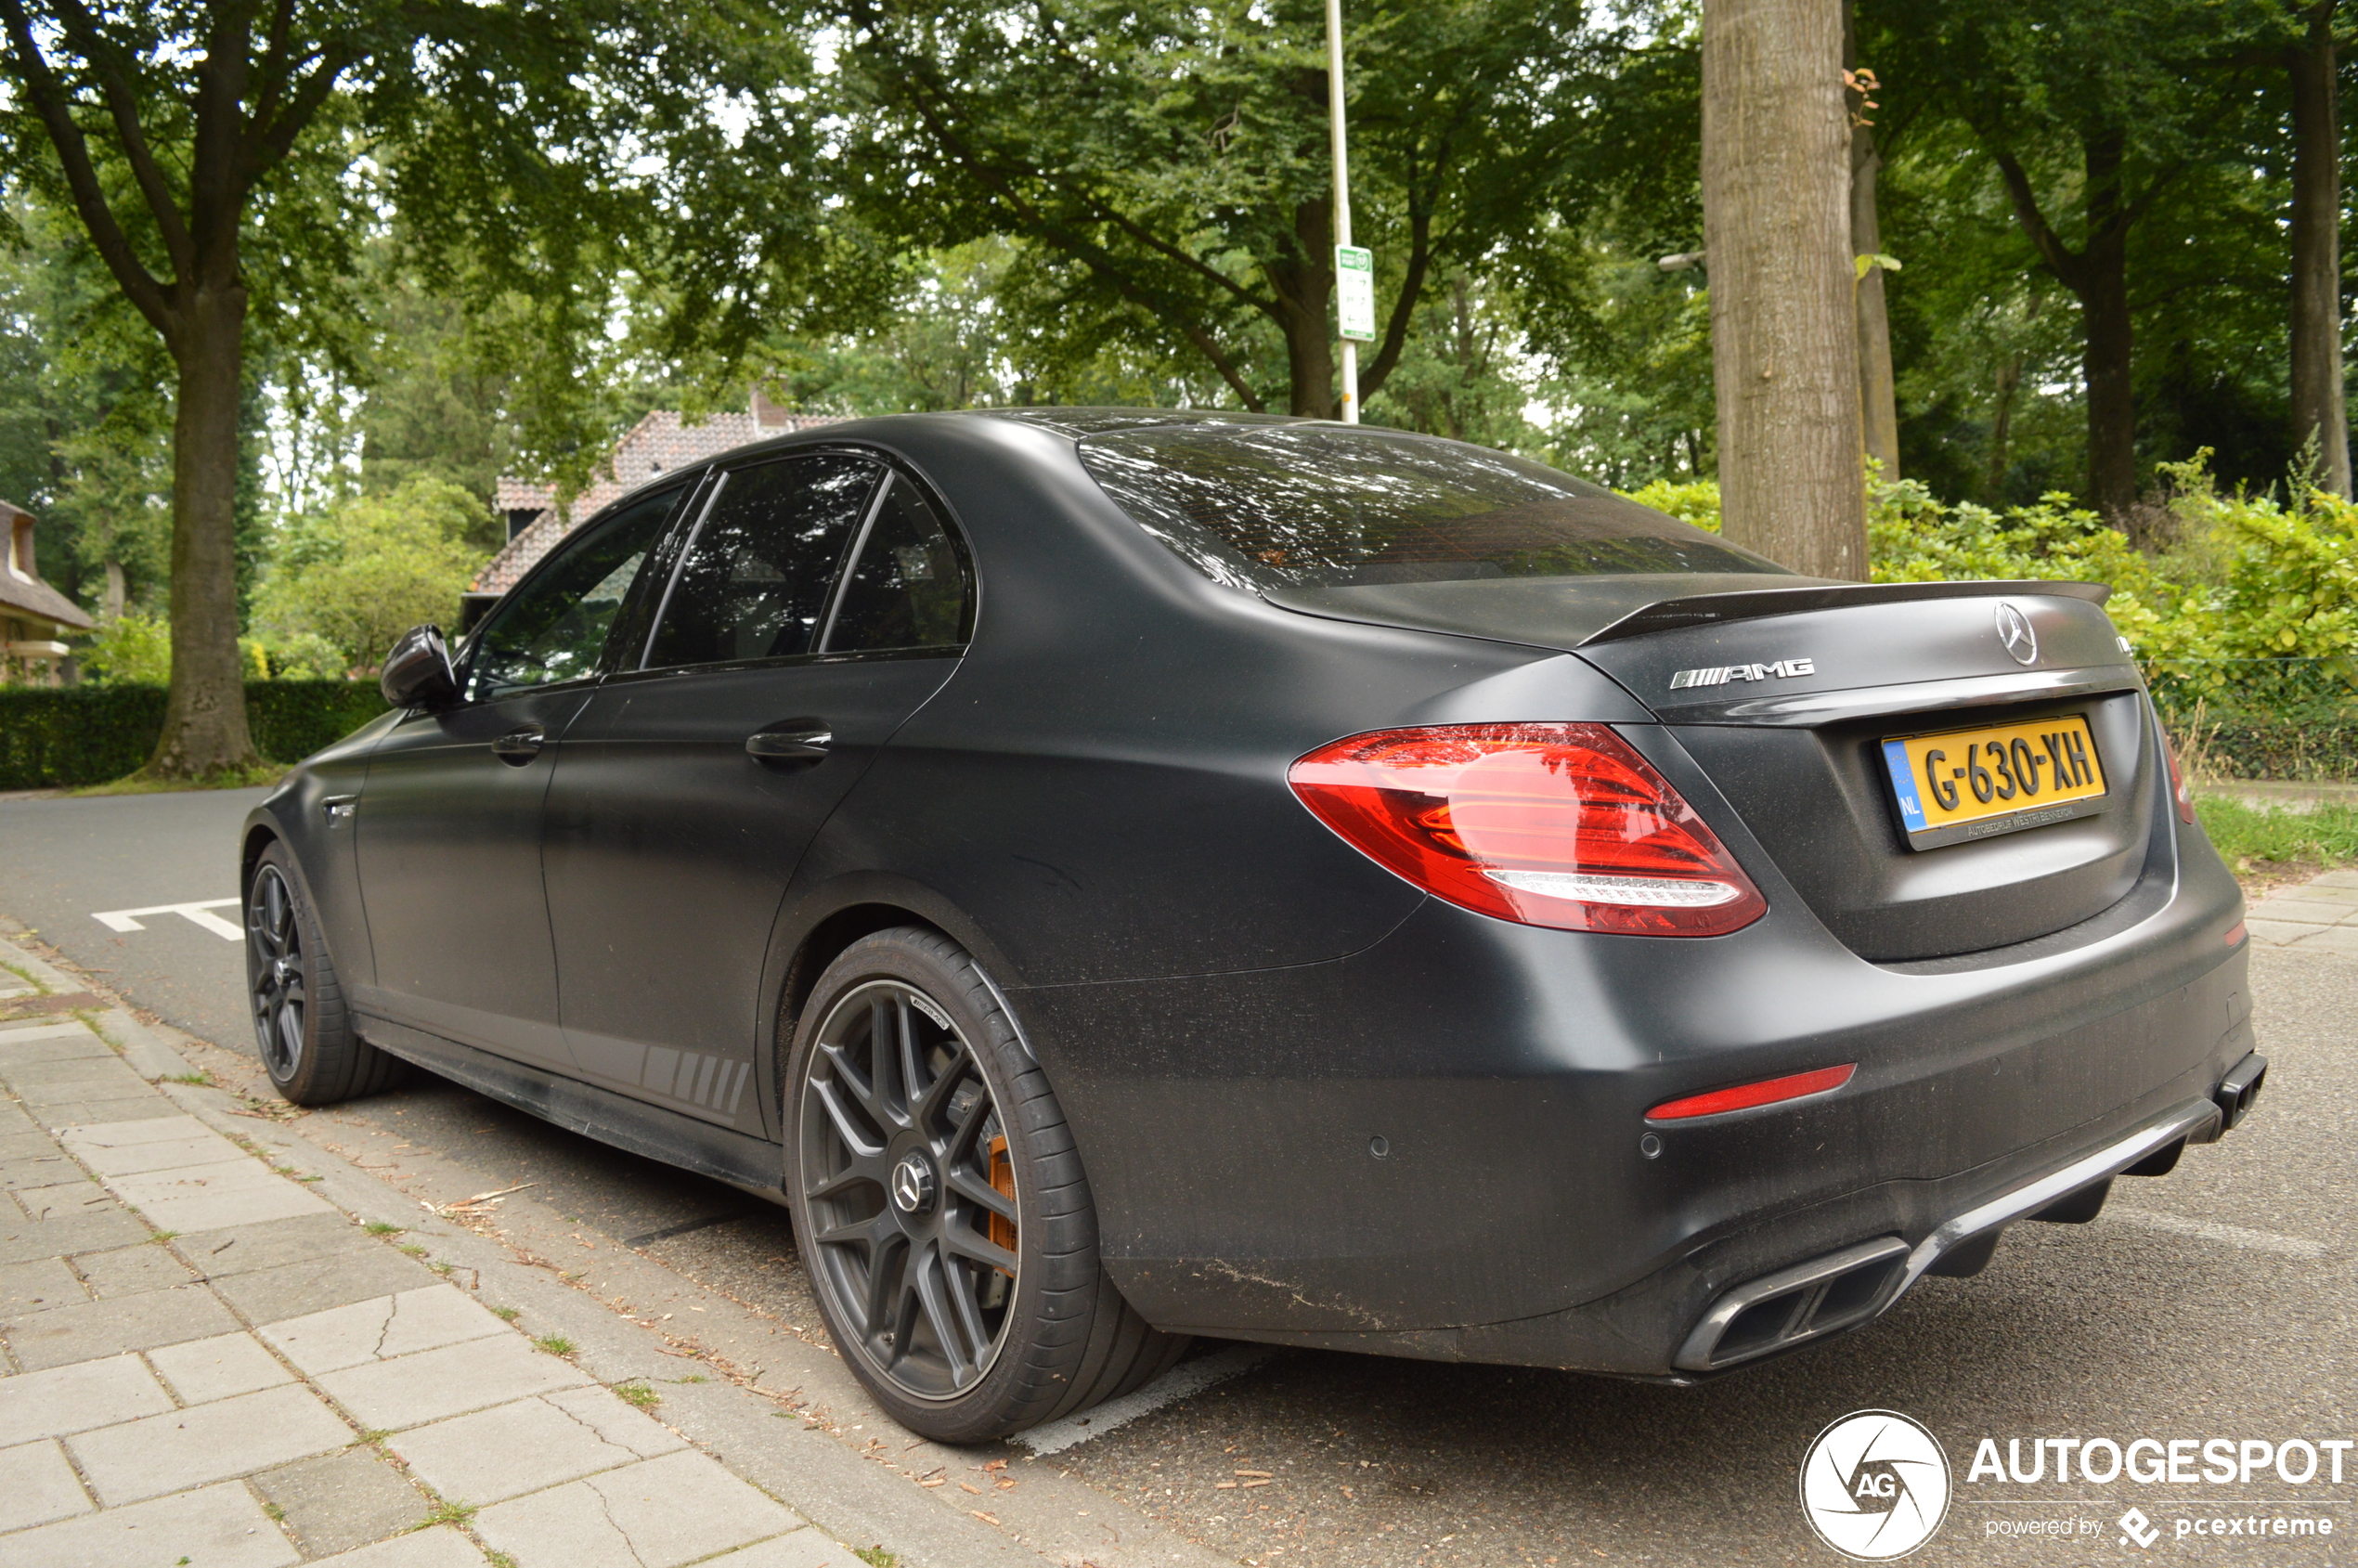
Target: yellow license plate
2001	778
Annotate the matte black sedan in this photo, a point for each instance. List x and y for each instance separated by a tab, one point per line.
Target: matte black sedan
1125	875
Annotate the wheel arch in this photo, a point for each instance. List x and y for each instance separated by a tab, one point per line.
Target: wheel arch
813	931
260	832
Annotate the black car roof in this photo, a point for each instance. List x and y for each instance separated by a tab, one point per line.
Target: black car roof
1097	422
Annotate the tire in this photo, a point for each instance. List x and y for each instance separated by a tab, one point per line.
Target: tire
303	1030
901	1203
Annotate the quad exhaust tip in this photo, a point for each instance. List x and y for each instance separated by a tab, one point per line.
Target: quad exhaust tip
1806	1302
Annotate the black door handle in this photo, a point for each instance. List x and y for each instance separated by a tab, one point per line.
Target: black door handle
519	747
806	745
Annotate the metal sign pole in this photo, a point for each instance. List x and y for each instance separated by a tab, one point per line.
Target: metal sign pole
1343	203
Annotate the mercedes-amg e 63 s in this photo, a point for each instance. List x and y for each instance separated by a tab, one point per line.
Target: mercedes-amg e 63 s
1121	876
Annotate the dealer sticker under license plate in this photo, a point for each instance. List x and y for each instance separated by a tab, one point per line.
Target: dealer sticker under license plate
1973	784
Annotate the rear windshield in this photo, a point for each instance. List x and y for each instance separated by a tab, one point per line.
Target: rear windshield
1321	506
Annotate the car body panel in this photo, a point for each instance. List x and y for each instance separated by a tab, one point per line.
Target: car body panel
449	855
669	850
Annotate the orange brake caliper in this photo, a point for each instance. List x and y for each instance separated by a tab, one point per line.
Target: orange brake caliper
1003	1180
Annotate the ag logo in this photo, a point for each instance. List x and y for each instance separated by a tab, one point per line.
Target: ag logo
1874	1486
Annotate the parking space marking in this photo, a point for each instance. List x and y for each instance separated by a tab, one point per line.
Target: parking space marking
1187	1378
199	913
2210	1230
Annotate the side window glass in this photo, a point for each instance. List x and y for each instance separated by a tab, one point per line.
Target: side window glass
555	625
908	589
756	575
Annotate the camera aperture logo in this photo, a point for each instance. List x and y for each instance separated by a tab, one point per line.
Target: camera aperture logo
1874	1486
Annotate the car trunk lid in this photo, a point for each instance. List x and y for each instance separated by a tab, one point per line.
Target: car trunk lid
1787	696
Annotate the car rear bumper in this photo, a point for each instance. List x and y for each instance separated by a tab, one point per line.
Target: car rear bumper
1437	1147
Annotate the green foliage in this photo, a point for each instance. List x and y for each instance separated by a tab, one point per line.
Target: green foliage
1695	502
2247	578
53	737
368	569
133	649
1166	166
1458	375
2243	829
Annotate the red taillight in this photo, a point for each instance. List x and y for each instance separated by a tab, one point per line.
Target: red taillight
1550	825
1746	1095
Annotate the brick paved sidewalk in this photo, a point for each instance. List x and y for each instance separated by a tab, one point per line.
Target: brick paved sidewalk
2320	916
203	1363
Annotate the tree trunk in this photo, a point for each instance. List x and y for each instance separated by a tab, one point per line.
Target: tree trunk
2105	360
1302	286
205	719
2001	425
2317	409
1878	398
1785	333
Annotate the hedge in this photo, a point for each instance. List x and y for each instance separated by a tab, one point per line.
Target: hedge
53	736
2292	719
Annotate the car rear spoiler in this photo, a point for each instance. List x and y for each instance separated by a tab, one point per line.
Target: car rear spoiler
1707	609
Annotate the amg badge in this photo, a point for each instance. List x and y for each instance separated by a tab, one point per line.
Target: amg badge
1719	675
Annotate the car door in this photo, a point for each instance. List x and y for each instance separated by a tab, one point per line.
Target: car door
690	786
450	821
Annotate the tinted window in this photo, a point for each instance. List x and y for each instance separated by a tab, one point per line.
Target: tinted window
756	572
908	589
555	624
1315	506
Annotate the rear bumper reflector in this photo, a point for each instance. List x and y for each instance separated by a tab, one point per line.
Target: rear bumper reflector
1744	1097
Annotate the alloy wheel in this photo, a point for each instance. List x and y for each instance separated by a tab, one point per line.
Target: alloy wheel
275	962
911	1191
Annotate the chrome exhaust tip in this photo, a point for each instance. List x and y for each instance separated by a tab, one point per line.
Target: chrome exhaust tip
1806	1302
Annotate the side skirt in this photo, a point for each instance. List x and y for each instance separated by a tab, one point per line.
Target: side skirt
755	1164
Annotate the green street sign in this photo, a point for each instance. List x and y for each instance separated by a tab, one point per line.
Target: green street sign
1355	291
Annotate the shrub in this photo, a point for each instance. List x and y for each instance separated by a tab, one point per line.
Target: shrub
131	649
67	736
368	569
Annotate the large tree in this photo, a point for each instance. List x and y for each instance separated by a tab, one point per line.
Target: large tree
2318	414
1776	208
2094	117
1170	160
222	154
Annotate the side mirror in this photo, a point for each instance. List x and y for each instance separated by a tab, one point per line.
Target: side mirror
417	672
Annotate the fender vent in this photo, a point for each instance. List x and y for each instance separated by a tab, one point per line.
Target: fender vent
1806	1302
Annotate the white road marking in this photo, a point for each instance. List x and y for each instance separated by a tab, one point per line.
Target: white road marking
1187	1378
199	913
2210	1230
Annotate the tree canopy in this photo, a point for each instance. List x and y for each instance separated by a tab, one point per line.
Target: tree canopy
455	241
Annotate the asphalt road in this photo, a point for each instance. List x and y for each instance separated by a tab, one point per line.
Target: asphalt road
2212	1304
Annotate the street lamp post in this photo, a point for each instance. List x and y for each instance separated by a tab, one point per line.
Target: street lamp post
1347	258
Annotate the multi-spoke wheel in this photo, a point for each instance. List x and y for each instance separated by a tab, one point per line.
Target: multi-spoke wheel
941	1208
300	1029
274	958
904	1160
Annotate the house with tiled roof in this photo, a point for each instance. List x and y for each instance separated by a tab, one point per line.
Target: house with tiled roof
656	445
34	617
